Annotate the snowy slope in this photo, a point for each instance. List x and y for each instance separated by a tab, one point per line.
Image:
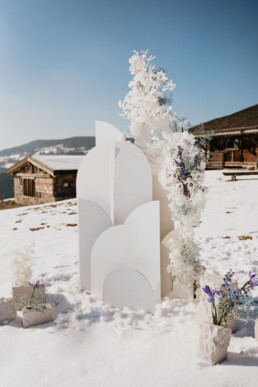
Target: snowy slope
91	344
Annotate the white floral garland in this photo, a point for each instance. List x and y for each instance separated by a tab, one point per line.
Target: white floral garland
159	131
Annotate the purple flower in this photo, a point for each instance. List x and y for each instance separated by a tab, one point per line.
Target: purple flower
208	291
36	285
217	292
253	279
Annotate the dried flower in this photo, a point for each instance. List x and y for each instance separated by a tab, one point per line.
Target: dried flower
22	265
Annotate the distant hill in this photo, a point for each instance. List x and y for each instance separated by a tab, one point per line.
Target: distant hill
86	142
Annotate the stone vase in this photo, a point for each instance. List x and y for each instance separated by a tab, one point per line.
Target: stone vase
35	316
214	342
7	312
22	294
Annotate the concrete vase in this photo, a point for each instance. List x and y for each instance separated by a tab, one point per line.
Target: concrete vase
214	342
35	317
7	312
22	294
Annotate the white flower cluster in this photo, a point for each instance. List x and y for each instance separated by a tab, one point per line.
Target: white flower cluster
182	175
164	136
184	255
146	102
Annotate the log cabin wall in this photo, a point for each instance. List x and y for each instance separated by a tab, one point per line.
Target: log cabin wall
30	190
249	155
236	148
65	185
33	186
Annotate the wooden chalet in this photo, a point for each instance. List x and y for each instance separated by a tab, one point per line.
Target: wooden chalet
234	140
42	179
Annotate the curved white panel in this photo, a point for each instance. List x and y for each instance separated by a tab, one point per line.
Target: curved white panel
106	133
159	193
134	244
128	287
93	182
109	252
166	239
92	222
133	180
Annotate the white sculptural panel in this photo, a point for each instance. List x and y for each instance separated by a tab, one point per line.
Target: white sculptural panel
119	225
134	244
93	182
92	220
133	180
107	134
128	287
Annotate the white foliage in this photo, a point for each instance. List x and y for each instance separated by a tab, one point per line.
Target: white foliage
164	136
146	101
22	264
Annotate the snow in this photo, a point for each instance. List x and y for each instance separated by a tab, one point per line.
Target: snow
91	344
60	162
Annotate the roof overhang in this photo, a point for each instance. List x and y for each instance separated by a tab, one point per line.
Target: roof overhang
227	132
30	159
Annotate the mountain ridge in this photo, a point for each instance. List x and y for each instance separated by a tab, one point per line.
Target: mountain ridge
86	142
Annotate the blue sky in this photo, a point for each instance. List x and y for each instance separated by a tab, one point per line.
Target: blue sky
64	63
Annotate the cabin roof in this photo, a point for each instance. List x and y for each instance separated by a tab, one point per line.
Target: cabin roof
60	162
50	164
244	121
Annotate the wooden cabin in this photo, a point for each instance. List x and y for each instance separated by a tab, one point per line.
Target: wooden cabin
42	179
234	140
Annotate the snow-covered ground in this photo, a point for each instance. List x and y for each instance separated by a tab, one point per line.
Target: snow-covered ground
93	345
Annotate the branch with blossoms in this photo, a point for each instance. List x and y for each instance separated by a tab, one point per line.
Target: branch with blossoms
227	301
164	137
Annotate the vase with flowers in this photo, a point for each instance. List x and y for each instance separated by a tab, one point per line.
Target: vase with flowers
226	303
34	312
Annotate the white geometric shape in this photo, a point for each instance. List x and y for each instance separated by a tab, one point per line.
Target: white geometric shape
133	180
145	224
159	193
134	244
128	287
93	180
92	220
106	134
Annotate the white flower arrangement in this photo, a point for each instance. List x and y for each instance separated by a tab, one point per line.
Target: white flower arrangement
165	137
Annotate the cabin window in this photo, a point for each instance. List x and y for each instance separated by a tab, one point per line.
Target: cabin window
28	187
66	184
